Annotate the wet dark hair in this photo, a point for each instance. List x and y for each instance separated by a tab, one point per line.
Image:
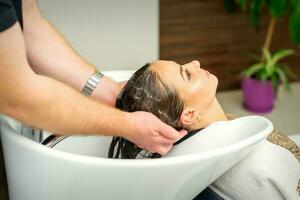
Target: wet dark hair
145	91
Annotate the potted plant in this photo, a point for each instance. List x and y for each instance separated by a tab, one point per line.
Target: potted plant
260	81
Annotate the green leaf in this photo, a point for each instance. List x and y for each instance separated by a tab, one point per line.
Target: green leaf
294	23
278	7
253	69
255	11
288	71
267	55
283	79
271	64
262	74
281	54
274	83
229	5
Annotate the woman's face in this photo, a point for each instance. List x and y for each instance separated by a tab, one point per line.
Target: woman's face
196	86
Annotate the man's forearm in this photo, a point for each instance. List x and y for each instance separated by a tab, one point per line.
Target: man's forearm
58	108
49	104
45	103
50	54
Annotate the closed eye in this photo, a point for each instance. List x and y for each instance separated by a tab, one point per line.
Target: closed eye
188	74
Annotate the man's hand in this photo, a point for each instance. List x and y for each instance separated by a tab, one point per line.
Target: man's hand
107	91
152	134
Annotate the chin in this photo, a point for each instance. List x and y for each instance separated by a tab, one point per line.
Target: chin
215	84
215	80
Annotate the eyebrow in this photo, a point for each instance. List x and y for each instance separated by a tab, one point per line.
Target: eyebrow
180	70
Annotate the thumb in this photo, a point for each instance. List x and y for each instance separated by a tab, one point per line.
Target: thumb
183	132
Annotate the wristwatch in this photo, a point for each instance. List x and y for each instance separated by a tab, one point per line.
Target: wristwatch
92	83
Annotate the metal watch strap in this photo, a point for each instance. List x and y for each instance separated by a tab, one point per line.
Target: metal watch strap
92	83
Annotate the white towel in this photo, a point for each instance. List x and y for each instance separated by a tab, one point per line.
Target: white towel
270	172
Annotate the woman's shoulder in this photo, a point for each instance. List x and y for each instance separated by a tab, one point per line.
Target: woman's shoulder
282	140
279	139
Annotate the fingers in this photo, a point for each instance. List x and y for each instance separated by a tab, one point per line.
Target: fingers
182	132
163	145
160	145
163	140
168	136
167	144
157	137
169	132
164	149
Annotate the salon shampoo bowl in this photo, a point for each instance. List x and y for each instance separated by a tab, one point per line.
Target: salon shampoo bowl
77	167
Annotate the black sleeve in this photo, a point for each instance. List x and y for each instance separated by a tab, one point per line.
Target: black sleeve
7	15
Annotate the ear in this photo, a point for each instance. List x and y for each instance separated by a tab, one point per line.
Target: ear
188	116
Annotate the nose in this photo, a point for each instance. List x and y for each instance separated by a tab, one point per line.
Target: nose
194	65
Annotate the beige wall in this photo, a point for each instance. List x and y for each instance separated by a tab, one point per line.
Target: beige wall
112	34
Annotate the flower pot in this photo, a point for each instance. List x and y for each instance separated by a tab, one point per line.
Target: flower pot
259	96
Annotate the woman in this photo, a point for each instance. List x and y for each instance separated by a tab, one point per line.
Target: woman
183	96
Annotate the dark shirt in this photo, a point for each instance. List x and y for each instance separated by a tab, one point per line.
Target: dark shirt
10	12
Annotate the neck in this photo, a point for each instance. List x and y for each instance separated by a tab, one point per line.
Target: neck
213	114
